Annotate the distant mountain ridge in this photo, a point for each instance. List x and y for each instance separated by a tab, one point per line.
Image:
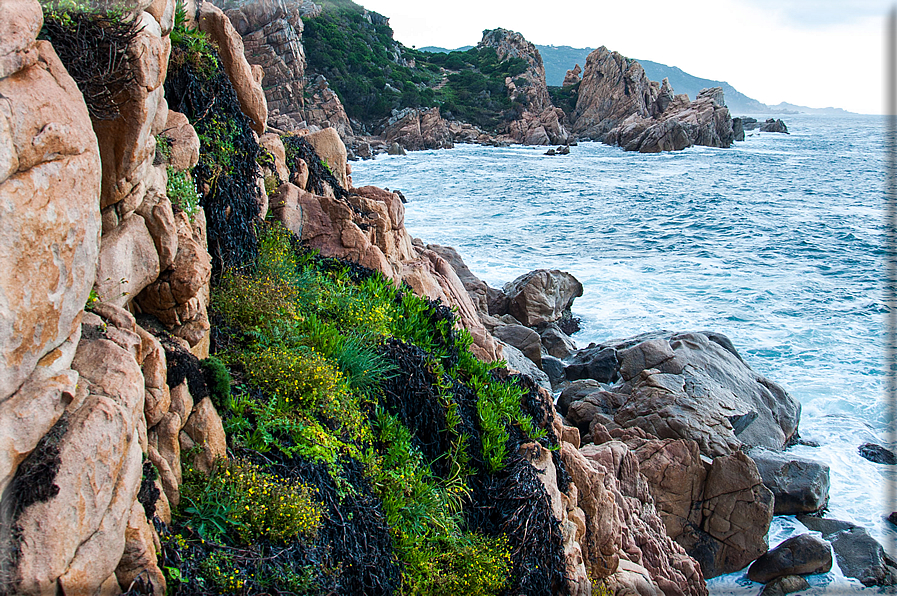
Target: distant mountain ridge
559	59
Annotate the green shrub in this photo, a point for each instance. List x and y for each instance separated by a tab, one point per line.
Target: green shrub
182	192
239	500
218	379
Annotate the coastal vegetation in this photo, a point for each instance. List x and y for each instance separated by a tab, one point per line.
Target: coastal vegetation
369	450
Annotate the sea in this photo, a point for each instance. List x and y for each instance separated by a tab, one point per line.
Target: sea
778	242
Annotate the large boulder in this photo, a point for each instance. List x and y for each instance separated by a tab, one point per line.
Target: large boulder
800	485
643	535
859	555
704	392
73	539
127	145
330	148
541	296
718	511
799	555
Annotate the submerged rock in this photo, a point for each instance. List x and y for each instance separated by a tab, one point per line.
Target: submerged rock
787	584
877	454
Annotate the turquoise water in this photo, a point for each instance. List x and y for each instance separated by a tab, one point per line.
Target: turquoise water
777	243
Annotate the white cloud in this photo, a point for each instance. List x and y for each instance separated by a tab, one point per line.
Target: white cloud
810	52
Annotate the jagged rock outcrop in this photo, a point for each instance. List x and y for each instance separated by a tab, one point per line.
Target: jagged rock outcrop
540	123
612	89
686	404
573	76
619	105
773	125
415	129
695	386
678	124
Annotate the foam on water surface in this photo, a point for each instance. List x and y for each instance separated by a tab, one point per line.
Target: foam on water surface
777	242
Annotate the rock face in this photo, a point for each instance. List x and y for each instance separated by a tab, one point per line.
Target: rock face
325	109
49	217
540	123
859	555
619	105
83	394
272	39
803	554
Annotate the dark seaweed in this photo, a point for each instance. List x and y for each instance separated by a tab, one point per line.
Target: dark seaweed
93	47
230	197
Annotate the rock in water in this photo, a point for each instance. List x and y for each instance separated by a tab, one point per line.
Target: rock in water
773	125
799	485
799	555
859	555
878	454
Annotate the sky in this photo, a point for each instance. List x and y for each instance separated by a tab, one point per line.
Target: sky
816	53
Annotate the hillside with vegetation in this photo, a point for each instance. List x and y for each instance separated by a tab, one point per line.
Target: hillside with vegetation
373	74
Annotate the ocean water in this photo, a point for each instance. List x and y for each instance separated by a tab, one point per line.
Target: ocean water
777	242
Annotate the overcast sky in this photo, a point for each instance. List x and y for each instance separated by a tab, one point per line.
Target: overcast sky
817	53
